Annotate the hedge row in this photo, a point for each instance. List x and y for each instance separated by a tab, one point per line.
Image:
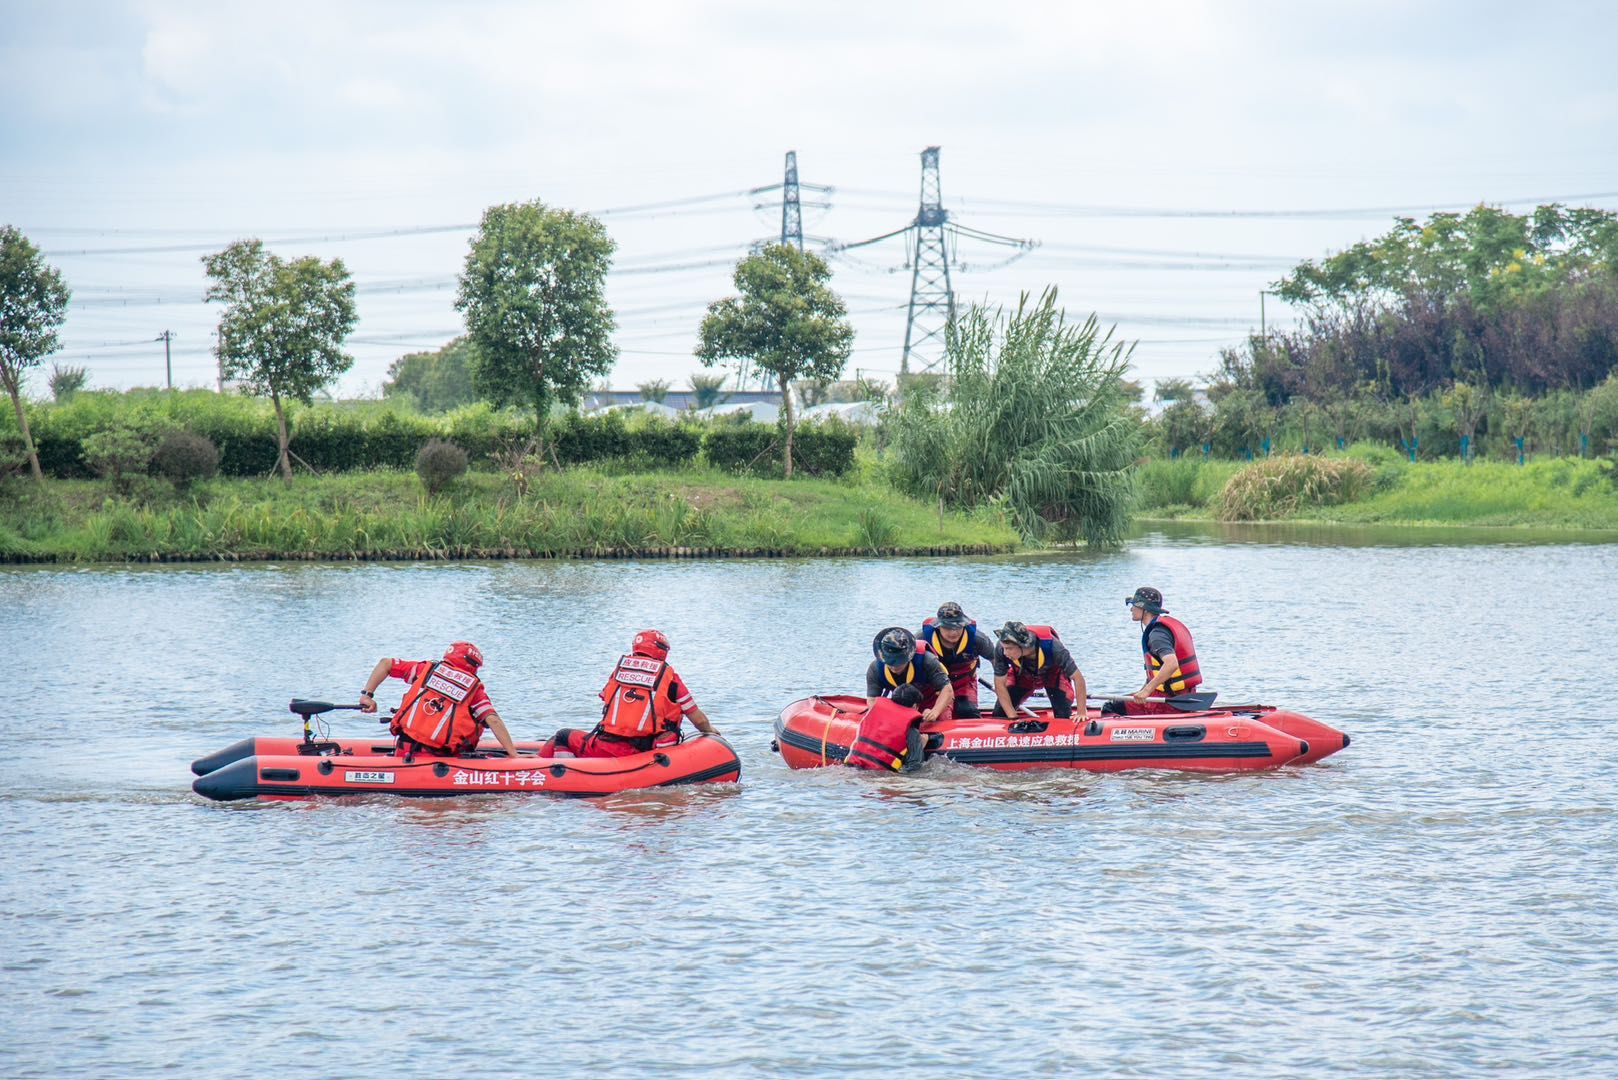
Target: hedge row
340	439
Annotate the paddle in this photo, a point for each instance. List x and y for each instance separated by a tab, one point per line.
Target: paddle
1183	703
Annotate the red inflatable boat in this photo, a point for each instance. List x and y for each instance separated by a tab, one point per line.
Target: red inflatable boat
334	772
272	767
817	731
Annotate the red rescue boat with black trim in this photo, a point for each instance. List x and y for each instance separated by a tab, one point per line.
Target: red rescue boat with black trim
289	769
818	731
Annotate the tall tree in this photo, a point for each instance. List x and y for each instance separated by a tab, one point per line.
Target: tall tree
434	381
282	330
534	295
33	303
786	322
1032	414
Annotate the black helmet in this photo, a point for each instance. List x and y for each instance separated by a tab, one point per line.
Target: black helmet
894	646
951	616
1018	634
1148	598
908	695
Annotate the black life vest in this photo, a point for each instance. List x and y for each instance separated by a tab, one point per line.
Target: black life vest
880	740
1185	651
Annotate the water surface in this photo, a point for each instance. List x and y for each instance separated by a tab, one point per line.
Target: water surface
1437	900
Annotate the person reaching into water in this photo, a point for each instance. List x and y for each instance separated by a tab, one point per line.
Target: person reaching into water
1169	653
1030	658
642	706
901	661
959	646
446	707
889	735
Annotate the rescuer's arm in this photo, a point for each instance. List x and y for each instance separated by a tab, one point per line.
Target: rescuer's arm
1165	674
378	673
700	721
946	698
1003	695
498	726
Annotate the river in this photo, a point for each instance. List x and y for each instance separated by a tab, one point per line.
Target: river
1437	900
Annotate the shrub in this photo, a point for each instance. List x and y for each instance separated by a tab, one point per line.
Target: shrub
440	464
67	381
184	458
119	454
1282	485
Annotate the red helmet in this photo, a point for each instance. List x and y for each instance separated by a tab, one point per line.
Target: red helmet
651	643
464	655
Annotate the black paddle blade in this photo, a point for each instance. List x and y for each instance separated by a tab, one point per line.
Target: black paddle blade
1192	702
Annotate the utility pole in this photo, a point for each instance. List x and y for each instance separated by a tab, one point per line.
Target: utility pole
167	337
791	205
932	300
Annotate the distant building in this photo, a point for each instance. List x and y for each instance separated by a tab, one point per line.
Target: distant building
678	399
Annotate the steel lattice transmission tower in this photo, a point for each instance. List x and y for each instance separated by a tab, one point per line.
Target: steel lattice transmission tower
791	205
932	299
930	253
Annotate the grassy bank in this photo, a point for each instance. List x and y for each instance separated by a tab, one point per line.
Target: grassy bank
1562	493
384	514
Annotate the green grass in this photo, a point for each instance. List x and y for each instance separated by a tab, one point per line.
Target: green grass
572	511
1556	493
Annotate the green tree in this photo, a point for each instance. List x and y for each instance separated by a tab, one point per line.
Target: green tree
436	381
533	292
1032	412
1487	253
654	390
282	329
1174	390
708	391
1469	405
787	323
67	381
33	303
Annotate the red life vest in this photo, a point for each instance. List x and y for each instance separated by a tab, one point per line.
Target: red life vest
436	712
637	704
1185	652
880	740
1044	637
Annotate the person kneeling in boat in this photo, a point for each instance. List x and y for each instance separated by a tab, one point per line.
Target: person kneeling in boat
642	706
1030	658
889	735
959	645
446	707
901	661
1169	653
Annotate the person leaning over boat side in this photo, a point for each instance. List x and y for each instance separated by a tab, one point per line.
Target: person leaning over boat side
1169	653
958	643
902	661
641	706
889	735
1029	658
446	707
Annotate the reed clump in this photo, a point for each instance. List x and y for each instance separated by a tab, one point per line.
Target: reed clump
1284	485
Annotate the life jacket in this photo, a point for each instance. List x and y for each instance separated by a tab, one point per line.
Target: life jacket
1185	652
959	660
1044	647
636	704
436	712
929	694
880	740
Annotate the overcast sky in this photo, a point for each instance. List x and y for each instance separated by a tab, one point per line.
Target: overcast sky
1171	158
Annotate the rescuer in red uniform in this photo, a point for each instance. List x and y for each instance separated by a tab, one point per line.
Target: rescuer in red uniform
641	706
446	707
